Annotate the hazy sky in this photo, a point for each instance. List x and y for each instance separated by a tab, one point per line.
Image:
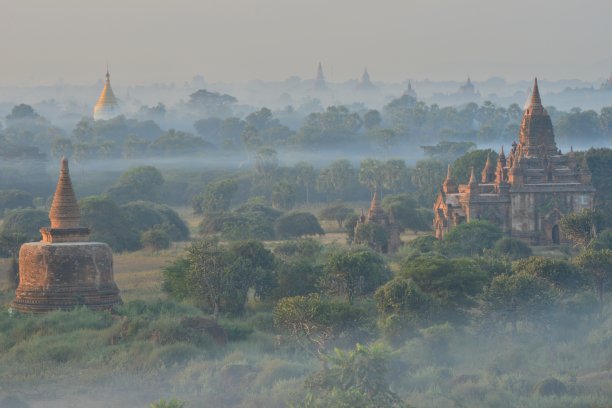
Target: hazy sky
145	41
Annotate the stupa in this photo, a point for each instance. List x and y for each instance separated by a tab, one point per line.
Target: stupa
320	83
365	84
107	106
64	270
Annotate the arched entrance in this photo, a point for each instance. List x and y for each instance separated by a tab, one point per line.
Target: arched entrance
555	235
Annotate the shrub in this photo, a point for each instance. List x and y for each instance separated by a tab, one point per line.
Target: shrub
513	248
144	215
297	224
155	239
108	224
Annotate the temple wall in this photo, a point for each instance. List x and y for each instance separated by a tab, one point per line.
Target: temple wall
523	212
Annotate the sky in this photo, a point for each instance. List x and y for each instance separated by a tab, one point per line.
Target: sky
44	42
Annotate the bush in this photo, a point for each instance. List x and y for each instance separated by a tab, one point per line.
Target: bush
471	238
155	239
297	224
144	216
513	248
108	224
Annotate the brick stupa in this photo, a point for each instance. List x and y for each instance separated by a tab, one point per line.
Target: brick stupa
64	270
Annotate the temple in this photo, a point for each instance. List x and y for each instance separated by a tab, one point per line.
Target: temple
410	91
387	225
365	84
64	270
107	106
467	89
320	84
526	193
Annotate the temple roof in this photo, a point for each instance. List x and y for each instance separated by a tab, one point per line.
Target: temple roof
64	211
107	103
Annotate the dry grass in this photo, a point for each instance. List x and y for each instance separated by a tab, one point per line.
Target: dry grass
138	274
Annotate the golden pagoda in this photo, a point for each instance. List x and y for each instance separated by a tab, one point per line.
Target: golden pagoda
107	106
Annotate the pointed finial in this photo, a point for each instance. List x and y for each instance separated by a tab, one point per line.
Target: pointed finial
448	172
64	211
501	152
472	177
536	102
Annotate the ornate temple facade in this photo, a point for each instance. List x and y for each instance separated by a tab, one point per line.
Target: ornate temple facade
64	270
526	193
107	106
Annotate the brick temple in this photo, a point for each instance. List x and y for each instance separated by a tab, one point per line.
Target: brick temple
63	270
526	193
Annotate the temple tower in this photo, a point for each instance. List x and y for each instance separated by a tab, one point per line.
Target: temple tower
365	84
107	106
64	270
536	136
320	84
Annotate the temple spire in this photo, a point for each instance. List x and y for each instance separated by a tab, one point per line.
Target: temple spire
376	213
535	105
472	178
65	211
449	185
107	105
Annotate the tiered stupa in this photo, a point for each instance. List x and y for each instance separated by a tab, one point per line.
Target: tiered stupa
107	106
64	270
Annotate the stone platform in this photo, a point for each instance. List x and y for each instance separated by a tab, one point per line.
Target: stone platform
65	275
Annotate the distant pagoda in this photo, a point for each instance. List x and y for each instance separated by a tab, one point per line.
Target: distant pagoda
64	270
107	106
365	84
410	91
320	84
468	88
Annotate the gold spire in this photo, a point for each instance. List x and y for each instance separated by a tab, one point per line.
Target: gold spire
65	211
107	105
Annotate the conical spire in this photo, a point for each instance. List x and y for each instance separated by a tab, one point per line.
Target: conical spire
535	104
65	211
449	186
107	105
320	80
375	213
472	177
488	173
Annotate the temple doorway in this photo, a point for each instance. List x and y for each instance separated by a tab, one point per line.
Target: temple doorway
555	235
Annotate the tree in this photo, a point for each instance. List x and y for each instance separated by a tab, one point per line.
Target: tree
597	264
356	378
305	176
372	119
313	321
217	279
10	199
600	165
26	222
427	176
107	224
139	183
513	248
143	216
266	161
452	282
336	212
395	175
518	298
155	239
558	272
297	277
259	262
582	227
216	197
402	209
371	174
476	159
297	224
283	195
356	272
471	238
373	235
336	178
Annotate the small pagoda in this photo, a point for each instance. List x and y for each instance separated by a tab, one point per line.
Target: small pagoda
64	270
